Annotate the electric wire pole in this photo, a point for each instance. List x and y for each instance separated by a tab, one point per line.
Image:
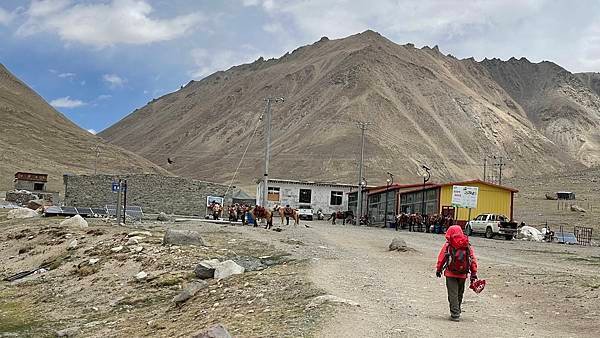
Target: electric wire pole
265	192
363	127
97	149
500	164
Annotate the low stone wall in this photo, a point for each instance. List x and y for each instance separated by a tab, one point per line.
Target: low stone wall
154	193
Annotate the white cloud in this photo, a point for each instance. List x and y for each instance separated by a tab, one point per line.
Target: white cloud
210	61
67	75
105	24
104	97
92	131
66	102
114	80
5	16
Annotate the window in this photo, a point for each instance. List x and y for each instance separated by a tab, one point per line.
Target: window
336	198
273	194
38	186
305	195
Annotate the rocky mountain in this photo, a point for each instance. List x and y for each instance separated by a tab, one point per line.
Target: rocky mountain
423	106
35	137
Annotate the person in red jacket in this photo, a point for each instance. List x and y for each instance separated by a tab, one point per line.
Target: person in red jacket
456	260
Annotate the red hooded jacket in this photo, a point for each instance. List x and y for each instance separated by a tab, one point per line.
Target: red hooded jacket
457	239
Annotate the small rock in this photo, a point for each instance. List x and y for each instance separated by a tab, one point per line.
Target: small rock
189	291
69	332
133	241
183	237
206	269
117	248
398	244
162	217
227	269
94	261
72	245
76	221
141	275
216	331
138	249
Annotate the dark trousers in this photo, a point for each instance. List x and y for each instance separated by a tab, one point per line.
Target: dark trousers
456	289
287	220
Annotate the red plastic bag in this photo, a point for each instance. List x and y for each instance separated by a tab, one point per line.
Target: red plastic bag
477	285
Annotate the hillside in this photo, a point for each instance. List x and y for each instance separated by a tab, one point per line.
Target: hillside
425	107
35	137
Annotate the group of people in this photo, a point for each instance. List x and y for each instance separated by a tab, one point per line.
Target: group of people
416	222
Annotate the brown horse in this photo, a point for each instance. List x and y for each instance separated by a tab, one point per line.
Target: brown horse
259	212
287	212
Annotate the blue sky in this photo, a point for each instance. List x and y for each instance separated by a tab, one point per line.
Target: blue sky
97	61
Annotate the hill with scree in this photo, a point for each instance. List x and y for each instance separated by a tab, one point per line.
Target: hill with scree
424	106
35	137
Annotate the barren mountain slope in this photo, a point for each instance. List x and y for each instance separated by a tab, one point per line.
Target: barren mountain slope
425	108
591	79
559	103
35	137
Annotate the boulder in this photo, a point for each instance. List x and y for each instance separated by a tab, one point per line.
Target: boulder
183	237
551	197
250	263
142	275
75	221
22	213
140	233
205	269
398	244
227	269
162	217
577	208
215	331
35	204
189	291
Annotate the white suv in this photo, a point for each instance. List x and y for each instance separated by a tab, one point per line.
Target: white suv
305	212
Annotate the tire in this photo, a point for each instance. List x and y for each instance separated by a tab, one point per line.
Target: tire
468	230
310	218
508	237
489	234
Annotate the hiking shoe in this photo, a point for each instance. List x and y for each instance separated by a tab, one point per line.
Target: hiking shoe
455	319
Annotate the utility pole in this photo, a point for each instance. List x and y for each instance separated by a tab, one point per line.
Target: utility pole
363	127
500	164
97	150
265	192
484	169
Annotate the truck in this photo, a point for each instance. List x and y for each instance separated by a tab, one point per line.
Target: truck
492	225
305	212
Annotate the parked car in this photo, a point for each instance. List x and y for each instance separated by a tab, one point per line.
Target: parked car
305	212
491	225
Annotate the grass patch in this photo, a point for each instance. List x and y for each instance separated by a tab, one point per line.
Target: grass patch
16	317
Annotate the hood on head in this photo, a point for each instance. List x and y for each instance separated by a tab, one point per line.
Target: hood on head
456	237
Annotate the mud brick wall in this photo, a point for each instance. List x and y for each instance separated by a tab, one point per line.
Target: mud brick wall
154	193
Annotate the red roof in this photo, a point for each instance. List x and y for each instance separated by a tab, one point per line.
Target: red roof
397	186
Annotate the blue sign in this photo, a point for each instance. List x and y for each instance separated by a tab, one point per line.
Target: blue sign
115	187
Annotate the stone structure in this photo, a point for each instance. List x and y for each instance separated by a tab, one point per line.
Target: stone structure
30	181
154	193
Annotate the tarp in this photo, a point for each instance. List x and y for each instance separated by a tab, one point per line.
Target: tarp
239	196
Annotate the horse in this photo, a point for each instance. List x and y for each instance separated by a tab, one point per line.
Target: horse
402	221
259	212
286	213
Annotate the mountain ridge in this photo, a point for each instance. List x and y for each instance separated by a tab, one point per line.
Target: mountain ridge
426	107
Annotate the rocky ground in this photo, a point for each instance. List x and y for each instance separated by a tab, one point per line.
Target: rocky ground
320	280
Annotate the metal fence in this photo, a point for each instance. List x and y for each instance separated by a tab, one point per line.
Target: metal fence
583	235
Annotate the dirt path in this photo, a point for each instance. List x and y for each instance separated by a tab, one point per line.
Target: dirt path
400	296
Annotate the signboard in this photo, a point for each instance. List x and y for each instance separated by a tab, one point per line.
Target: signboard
464	197
115	187
210	199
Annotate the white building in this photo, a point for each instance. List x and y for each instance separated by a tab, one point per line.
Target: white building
327	196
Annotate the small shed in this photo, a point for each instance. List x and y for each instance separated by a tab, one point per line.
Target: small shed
565	195
31	181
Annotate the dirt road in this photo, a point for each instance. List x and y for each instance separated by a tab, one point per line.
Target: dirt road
534	289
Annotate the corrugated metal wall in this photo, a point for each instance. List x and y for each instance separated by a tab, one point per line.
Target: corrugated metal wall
490	200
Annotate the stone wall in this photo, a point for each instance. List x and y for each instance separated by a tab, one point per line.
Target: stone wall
154	193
